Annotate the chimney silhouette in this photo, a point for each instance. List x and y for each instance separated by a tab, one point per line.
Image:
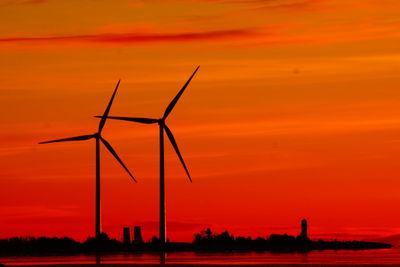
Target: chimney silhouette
137	235
303	234
126	236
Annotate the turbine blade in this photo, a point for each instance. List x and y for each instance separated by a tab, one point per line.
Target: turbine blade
112	151
140	120
176	98
104	117
174	144
76	138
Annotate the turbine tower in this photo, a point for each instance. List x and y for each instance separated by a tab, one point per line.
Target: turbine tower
163	127
99	139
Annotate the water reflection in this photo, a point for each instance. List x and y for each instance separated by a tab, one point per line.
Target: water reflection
382	256
163	256
98	259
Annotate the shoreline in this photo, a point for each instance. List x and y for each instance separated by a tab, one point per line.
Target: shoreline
364	259
203	265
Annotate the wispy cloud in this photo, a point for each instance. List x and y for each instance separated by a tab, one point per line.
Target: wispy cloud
138	38
273	4
246	38
303	4
283	31
22	2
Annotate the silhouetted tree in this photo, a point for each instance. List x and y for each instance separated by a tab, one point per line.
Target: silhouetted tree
102	244
155	240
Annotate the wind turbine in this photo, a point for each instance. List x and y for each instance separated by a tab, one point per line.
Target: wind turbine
99	139
163	127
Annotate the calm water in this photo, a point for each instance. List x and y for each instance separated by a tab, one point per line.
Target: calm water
381	256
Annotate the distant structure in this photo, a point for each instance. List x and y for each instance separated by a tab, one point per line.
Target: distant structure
137	235
303	233
126	236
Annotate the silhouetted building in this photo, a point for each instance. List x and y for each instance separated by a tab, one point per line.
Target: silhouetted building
303	234
137	235
127	236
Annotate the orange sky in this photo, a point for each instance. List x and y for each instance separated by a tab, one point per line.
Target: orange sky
294	113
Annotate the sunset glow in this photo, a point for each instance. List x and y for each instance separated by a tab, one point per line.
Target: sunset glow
294	113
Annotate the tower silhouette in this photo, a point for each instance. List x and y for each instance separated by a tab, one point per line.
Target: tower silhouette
303	234
137	235
126	236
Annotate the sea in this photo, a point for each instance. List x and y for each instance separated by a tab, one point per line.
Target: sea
337	257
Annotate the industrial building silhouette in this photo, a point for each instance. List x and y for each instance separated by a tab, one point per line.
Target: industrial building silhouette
137	236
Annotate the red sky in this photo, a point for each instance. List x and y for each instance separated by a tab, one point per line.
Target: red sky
293	114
